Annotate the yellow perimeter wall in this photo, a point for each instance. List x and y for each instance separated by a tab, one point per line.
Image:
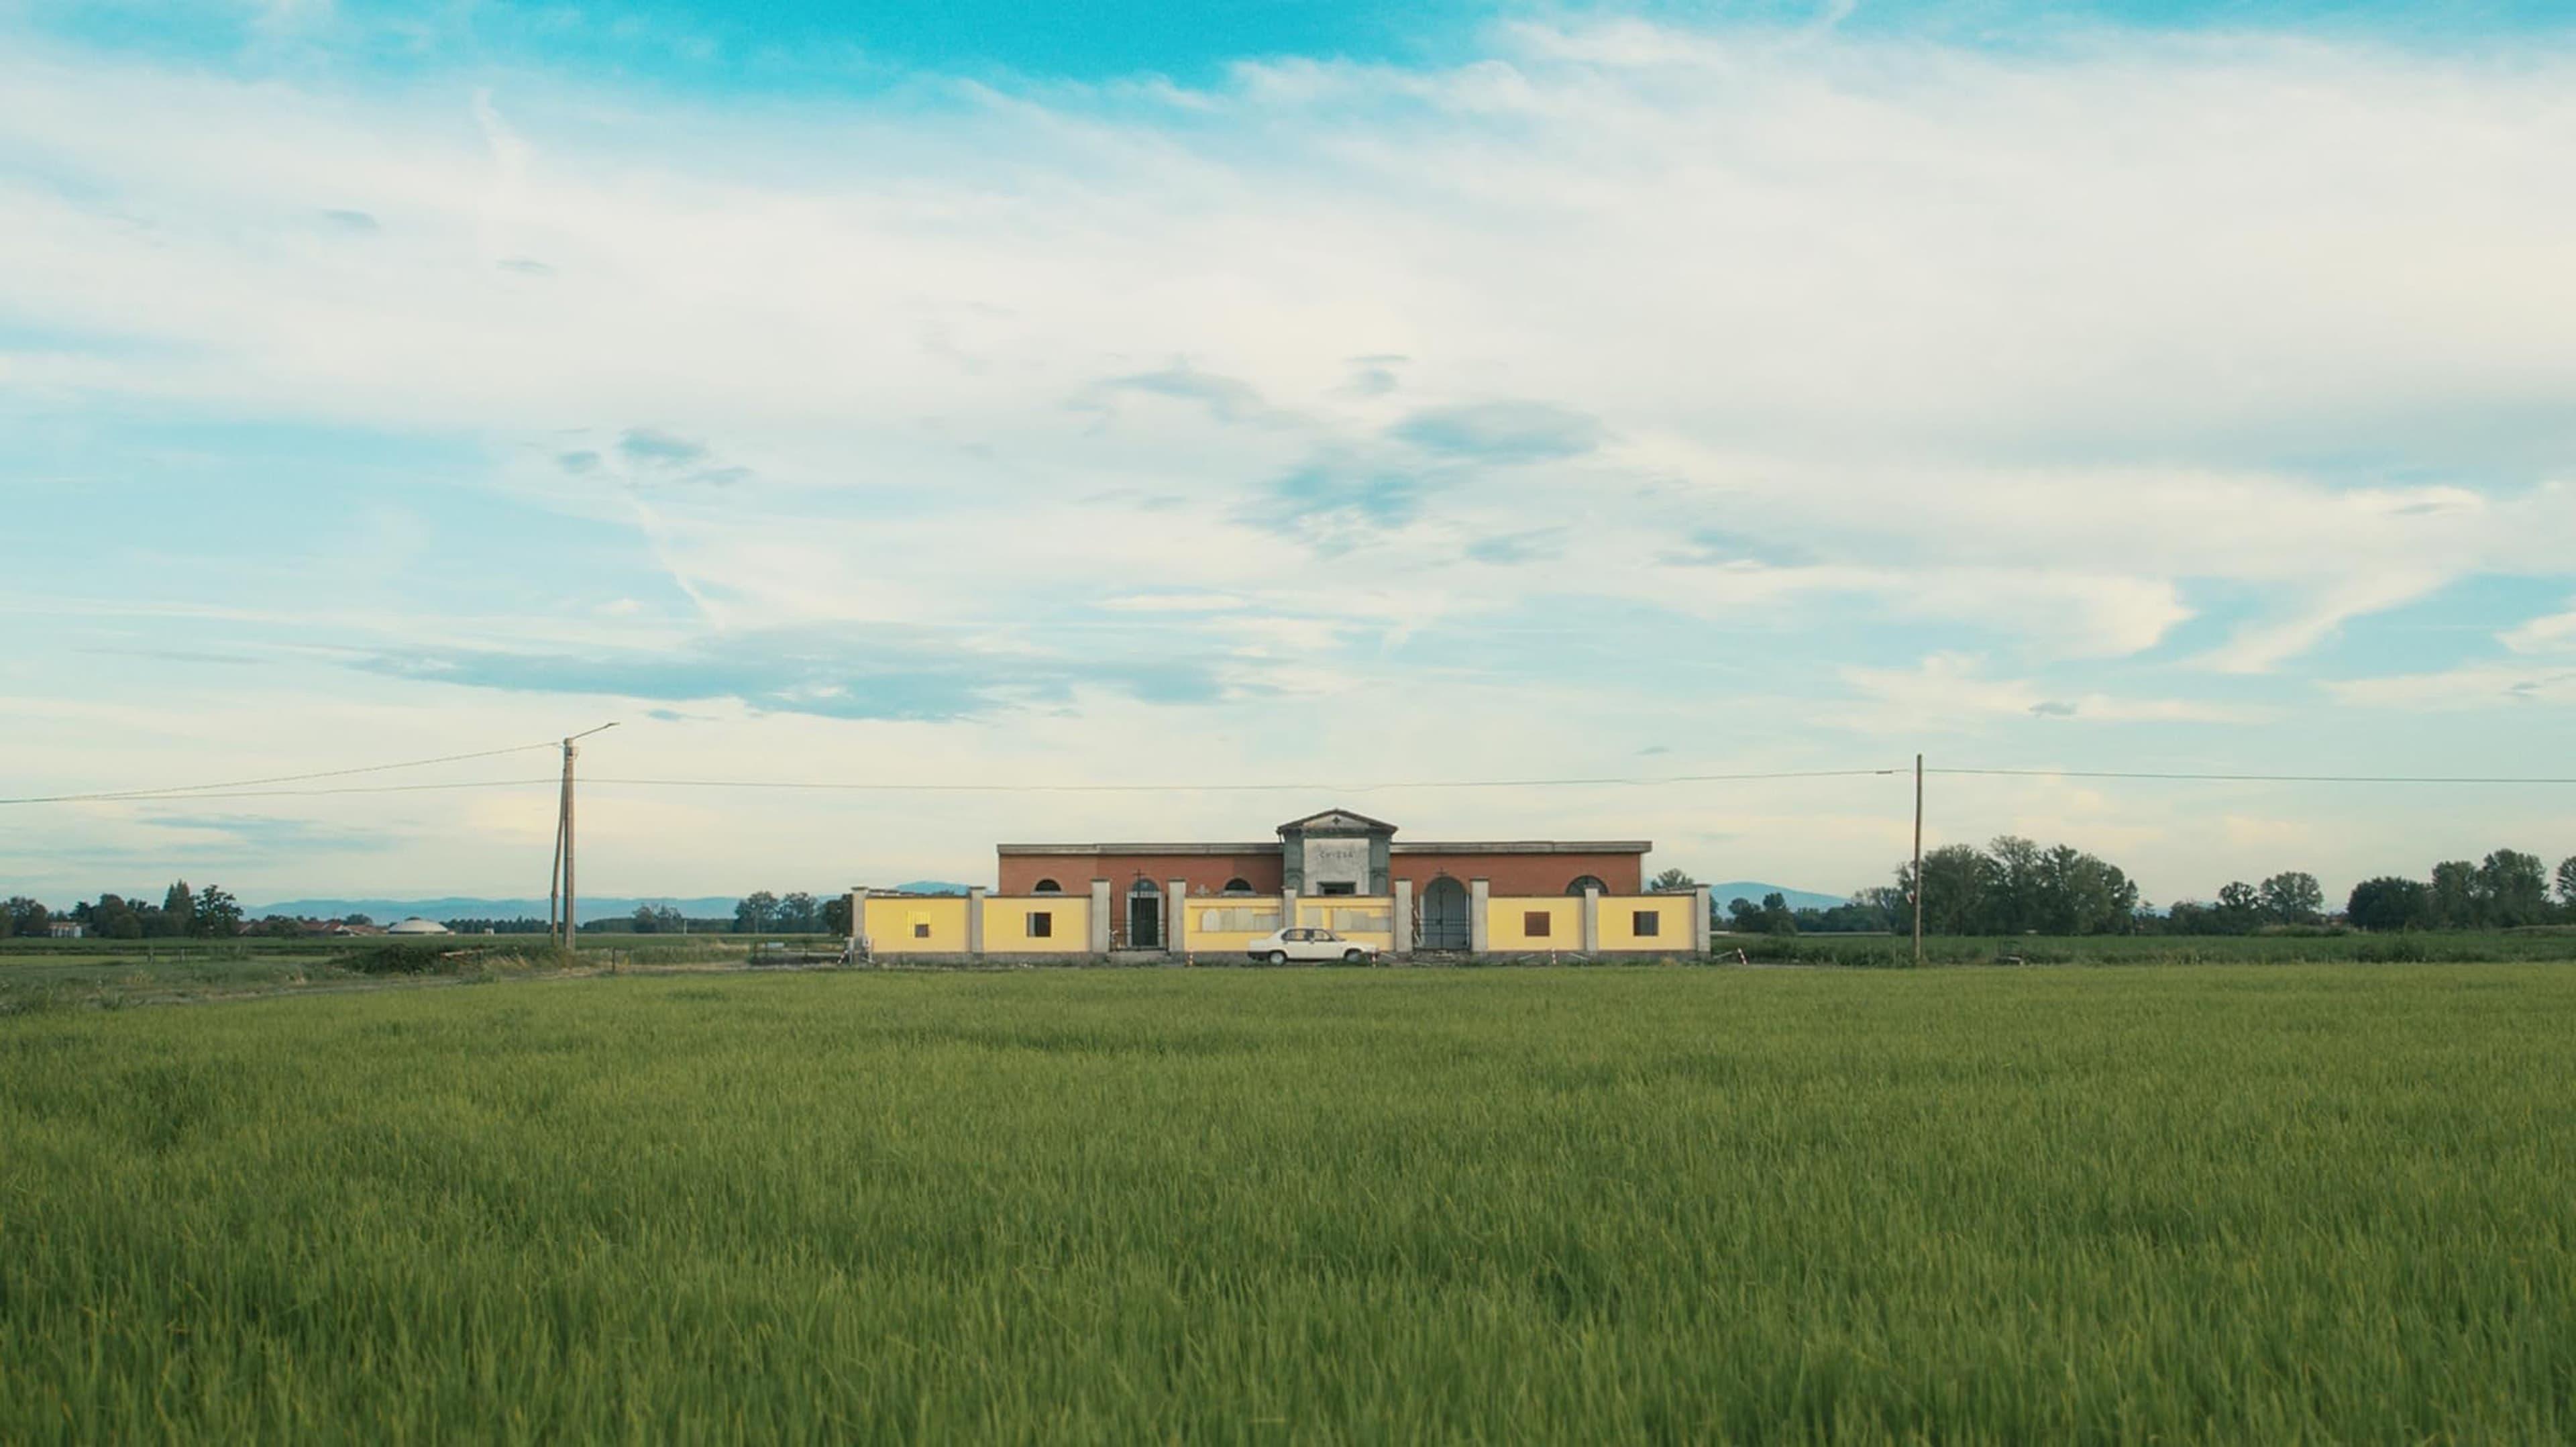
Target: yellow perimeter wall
1006	924
1672	914
929	926
1219	923
1364	919
1506	923
1231	921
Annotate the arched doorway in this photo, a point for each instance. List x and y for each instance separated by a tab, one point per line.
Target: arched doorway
1444	915
1583	882
1144	915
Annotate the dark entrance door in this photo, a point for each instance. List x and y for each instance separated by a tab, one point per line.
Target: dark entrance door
1444	915
1144	917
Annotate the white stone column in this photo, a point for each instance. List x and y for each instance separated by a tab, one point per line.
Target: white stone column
1402	917
1702	937
1591	920
975	920
858	919
1287	909
1100	916
1176	930
1480	894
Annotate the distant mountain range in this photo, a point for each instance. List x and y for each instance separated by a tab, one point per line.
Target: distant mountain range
720	906
386	911
1753	889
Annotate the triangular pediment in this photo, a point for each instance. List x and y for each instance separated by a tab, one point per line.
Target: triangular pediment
1336	821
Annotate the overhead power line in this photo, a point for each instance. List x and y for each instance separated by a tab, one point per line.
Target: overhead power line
1308	787
221	791
185	790
2262	778
247	788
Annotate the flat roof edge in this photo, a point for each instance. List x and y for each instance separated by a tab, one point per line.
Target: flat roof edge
1524	846
1270	846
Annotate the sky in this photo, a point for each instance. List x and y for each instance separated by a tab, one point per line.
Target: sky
1337	400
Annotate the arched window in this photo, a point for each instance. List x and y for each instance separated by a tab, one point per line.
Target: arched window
1583	882
1046	886
1237	886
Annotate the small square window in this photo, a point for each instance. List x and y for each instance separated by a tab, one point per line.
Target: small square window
1649	923
1535	922
921	930
1041	926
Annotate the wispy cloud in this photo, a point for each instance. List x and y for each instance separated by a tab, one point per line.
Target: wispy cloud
1502	432
887	673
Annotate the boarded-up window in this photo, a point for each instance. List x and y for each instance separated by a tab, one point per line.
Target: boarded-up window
1362	921
1041	926
1649	922
1238	920
1534	923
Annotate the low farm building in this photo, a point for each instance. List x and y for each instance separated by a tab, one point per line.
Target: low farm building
1336	869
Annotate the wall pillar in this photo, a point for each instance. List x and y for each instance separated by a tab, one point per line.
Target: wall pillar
975	920
1480	896
1176	930
1702	936
1591	921
1288	907
858	919
1100	916
1403	918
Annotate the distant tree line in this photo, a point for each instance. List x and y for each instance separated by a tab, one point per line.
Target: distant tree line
2505	890
184	913
2015	886
795	912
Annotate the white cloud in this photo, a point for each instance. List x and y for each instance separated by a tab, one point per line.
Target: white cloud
2019	352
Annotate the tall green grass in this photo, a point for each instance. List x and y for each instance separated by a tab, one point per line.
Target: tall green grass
2324	1204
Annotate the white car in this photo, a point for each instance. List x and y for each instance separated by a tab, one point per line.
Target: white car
1281	946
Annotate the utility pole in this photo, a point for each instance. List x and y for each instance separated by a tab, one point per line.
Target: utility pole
1918	857
563	880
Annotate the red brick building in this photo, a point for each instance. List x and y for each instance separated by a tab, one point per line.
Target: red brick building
1334	852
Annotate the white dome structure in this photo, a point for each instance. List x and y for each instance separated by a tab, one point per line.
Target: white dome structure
417	926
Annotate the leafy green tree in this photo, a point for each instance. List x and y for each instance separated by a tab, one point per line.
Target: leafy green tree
357	920
2240	908
25	917
836	916
112	917
1673	879
2455	895
1956	879
2567	881
215	914
797	912
2389	903
756	912
178	908
2512	889
2293	897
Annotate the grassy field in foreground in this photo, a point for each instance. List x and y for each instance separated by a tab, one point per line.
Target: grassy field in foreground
2319	1203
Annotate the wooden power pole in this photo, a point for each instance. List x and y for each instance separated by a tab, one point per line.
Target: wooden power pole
562	883
1918	854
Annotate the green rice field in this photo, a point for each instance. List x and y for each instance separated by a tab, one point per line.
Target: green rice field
2324	1203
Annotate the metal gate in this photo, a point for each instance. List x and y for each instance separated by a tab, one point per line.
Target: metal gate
1144	916
1444	916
